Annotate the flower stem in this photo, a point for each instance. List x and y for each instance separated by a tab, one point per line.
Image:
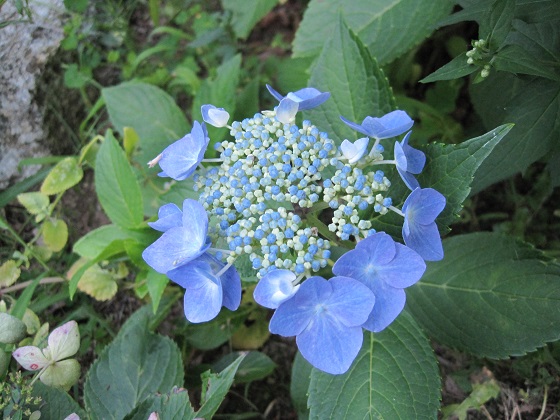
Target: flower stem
396	210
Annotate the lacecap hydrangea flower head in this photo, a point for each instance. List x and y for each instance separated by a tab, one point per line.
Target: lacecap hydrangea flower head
280	195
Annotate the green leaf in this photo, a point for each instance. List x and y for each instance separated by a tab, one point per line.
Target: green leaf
116	185
220	92
215	387
12	329
95	241
491	296
495	25
395	376
130	140
150	111
255	366
450	170
210	335
63	176
358	88
56	404
389	28
532	49
455	69
174	405
100	284
156	284
533	105
136	365
36	203
246	14
9	273
480	395
299	385
55	234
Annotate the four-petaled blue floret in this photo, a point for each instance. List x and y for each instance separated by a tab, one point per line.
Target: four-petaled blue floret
265	197
326	318
386	268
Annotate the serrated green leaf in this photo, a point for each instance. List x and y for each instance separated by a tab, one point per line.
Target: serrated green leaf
246	14
116	186
9	273
532	49
34	202
491	296
449	169
395	376
136	365
215	387
221	92
455	69
55	234
56	404
255	366
174	405
495	25
358	88
533	105
150	111
387	28
63	176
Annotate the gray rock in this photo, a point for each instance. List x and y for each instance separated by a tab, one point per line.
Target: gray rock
24	51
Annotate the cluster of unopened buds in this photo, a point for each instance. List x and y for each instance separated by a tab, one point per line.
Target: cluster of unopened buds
267	197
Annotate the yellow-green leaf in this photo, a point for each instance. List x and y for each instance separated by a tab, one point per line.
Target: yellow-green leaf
9	273
63	176
35	203
98	283
62	374
130	140
31	321
55	234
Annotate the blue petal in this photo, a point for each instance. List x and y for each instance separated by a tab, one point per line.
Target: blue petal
174	248
354	151
410	181
179	159
404	270
274	288
231	286
423	205
217	117
330	346
389	303
203	303
415	159
169	216
188	275
380	247
350	303
278	96
315	101
293	316
400	156
373	126
425	240
355	126
286	111
195	221
394	123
